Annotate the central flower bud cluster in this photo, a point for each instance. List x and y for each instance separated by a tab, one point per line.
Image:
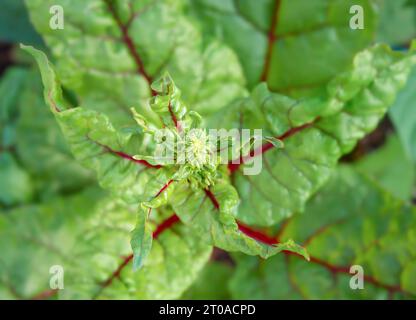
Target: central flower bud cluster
196	156
199	150
185	150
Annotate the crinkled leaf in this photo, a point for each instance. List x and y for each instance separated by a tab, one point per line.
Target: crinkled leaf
98	145
86	129
41	147
141	239
351	222
109	52
214	220
316	131
294	45
176	259
88	235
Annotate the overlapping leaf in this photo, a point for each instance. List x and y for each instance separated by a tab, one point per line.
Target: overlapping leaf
88	236
15	183
404	117
351	222
110	51
316	132
98	145
295	46
15	25
41	147
214	220
382	166
397	22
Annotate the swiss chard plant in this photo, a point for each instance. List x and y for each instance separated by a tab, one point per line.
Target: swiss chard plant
125	221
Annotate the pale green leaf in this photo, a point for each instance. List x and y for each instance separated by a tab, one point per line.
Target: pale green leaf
350	222
88	236
316	132
41	147
214	220
98	145
109	52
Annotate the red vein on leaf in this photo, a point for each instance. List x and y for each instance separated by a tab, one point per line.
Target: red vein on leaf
266	239
253	233
321	230
174	119
45	295
164	188
52	102
125	155
164	225
291	279
271	40
267	146
256	235
117	272
124	28
212	197
340	269
167	184
282	228
130	158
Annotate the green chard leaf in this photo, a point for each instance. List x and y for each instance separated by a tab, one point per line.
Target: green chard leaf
295	46
93	141
11	84
382	166
16	186
316	132
88	236
97	144
141	239
403	116
211	213
397	22
212	283
109	53
15	25
151	235
41	146
372	229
